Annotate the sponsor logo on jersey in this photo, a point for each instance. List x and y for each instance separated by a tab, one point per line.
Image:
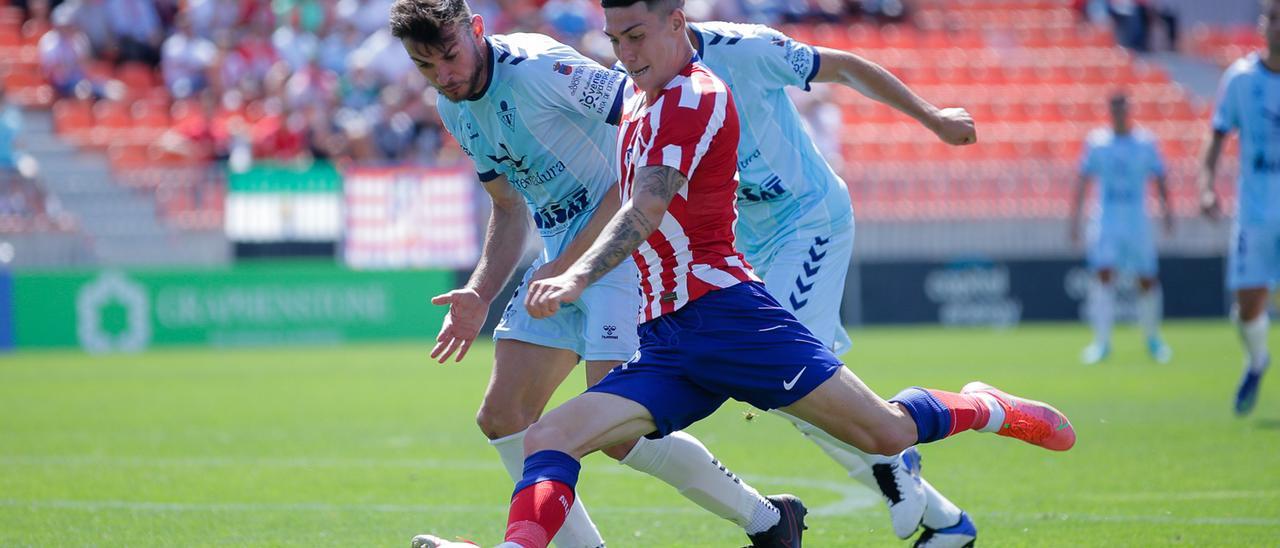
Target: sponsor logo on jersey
610	332
1262	164
542	177
517	164
594	88
771	189
801	61
555	216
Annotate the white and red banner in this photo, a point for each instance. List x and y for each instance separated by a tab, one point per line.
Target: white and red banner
407	217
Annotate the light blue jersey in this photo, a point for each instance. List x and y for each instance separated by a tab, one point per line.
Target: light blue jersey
543	121
10	128
1249	102
785	185
1122	166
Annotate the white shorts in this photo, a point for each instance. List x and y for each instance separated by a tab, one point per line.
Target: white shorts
600	326
807	274
1131	252
1254	258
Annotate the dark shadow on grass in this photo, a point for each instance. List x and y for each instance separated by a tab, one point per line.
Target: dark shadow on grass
1269	424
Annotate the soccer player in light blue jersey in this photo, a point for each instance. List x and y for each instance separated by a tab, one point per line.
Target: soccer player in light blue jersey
1249	103
535	118
1122	159
796	225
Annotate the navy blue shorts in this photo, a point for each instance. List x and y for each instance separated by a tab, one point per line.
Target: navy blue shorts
735	343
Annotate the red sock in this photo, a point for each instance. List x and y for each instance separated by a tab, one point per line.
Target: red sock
537	513
967	411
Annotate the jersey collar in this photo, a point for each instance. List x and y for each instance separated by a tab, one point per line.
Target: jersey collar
488	81
698	44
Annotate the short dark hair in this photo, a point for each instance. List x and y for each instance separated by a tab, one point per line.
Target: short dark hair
428	21
670	5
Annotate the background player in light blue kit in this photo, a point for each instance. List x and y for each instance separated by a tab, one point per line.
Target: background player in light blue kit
1122	159
796	223
1249	102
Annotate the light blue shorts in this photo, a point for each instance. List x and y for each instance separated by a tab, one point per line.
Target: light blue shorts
601	326
1254	258
807	274
1133	252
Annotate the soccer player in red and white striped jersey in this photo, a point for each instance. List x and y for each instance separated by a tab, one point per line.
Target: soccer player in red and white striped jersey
711	331
690	126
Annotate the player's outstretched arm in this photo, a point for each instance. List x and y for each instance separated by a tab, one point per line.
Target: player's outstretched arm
604	212
503	246
1209	206
654	187
953	125
1077	204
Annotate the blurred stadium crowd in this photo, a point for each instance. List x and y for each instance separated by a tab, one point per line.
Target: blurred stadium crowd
186	82
298	77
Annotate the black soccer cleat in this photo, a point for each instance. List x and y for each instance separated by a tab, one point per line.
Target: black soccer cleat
790	526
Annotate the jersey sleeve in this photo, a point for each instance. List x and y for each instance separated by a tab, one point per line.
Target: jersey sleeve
780	60
1089	159
1226	112
581	86
686	127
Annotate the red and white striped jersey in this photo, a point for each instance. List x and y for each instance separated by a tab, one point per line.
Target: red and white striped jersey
691	126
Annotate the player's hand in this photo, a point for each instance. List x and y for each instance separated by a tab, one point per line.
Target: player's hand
547	270
1210	207
545	296
467	312
955	127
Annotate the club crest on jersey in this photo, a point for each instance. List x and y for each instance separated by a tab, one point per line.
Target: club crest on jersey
562	68
507	114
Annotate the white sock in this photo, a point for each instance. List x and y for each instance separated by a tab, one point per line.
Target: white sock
997	413
856	462
683	462
578	530
1254	336
1150	310
939	512
1102	313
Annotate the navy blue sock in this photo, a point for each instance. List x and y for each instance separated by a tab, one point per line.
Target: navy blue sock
548	465
933	419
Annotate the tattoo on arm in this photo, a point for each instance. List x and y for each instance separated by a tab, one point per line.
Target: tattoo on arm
637	219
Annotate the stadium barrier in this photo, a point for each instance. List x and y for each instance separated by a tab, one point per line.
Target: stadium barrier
246	305
1005	293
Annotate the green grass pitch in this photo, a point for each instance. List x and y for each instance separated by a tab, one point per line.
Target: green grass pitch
366	445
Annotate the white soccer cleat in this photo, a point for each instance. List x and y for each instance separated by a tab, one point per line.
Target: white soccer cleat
899	483
432	541
1095	353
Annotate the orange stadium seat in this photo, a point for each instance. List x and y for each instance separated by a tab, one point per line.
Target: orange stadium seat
71	116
